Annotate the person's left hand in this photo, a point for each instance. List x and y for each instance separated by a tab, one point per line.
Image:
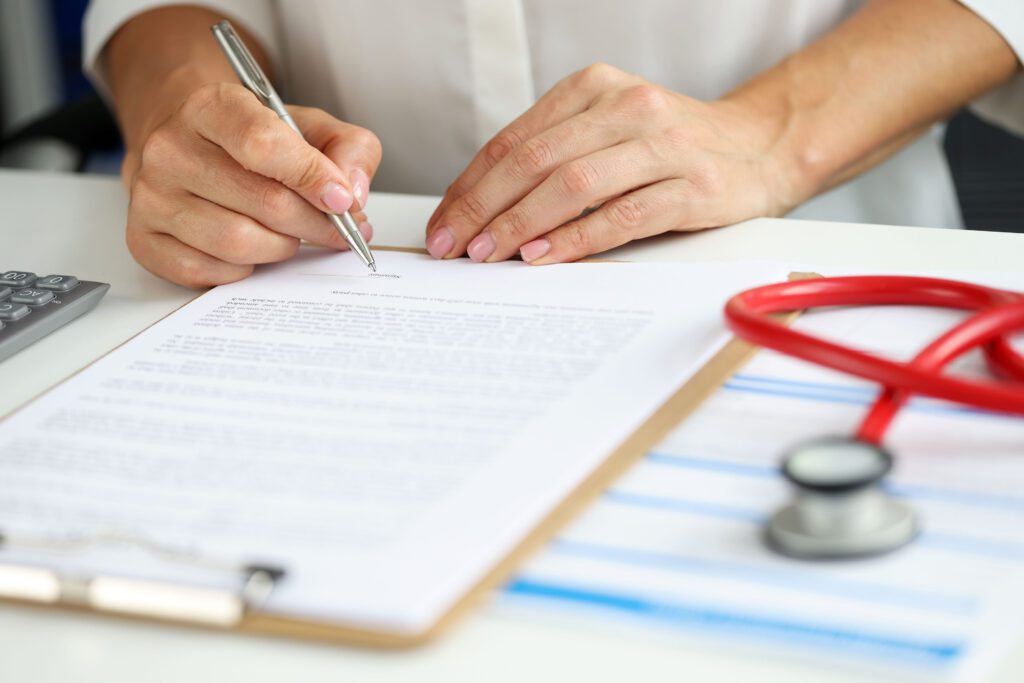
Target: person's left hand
645	159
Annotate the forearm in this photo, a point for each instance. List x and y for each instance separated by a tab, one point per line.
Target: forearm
155	60
849	100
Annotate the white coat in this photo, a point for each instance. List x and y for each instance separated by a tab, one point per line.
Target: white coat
434	79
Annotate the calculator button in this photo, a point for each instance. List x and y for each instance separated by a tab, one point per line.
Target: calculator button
4	292
17	278
9	311
32	297
57	283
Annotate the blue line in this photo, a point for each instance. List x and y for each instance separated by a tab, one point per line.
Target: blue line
1000	550
974	498
723	620
742	383
763	379
730	467
965	545
822	398
911	491
915	406
687	506
788	577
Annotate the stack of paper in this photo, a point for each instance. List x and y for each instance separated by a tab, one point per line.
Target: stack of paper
387	438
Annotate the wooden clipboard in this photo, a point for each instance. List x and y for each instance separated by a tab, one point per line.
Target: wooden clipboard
729	359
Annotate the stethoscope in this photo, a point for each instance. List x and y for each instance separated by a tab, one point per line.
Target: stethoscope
840	508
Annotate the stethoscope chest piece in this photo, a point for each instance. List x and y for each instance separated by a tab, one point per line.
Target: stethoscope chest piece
840	509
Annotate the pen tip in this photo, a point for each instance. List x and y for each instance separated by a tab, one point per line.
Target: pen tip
373	266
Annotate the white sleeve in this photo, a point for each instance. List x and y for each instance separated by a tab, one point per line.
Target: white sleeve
104	17
1004	105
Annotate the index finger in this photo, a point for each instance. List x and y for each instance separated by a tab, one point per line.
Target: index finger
555	106
232	118
496	206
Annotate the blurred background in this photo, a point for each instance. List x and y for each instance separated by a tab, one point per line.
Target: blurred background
52	119
50	116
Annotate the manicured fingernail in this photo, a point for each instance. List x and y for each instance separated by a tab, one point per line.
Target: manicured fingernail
535	249
336	198
441	242
481	247
360	187
367	230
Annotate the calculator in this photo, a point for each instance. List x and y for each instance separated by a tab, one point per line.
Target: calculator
32	307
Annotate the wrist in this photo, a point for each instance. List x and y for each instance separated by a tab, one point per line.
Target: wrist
787	110
145	110
155	61
761	129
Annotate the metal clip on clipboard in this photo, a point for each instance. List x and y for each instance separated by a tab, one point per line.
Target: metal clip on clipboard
133	596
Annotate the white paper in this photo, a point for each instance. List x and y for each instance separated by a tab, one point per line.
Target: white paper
678	542
387	438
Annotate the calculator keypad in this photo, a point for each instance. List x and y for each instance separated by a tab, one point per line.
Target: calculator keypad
32	307
32	297
17	278
57	283
11	312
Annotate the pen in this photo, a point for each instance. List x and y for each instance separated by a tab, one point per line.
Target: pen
253	78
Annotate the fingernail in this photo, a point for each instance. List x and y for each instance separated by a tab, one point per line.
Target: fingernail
441	242
360	187
367	230
481	247
336	198
535	249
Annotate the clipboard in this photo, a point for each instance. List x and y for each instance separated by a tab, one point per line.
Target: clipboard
240	609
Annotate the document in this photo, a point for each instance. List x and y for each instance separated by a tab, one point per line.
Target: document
385	437
678	545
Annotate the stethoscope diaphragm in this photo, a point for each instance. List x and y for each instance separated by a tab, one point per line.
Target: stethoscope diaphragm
840	509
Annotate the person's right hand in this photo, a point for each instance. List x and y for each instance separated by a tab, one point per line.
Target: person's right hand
224	184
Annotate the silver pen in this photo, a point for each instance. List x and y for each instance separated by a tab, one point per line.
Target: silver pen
253	78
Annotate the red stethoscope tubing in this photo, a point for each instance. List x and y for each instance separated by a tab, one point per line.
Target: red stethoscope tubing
998	314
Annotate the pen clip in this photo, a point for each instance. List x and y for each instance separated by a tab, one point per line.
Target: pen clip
242	61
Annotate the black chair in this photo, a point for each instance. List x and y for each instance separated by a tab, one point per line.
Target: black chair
988	171
63	139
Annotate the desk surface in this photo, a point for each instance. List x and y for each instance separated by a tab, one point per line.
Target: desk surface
75	225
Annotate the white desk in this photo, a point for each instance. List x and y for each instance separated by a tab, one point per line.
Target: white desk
67	224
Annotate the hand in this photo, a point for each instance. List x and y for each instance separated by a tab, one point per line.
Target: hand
224	184
645	159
